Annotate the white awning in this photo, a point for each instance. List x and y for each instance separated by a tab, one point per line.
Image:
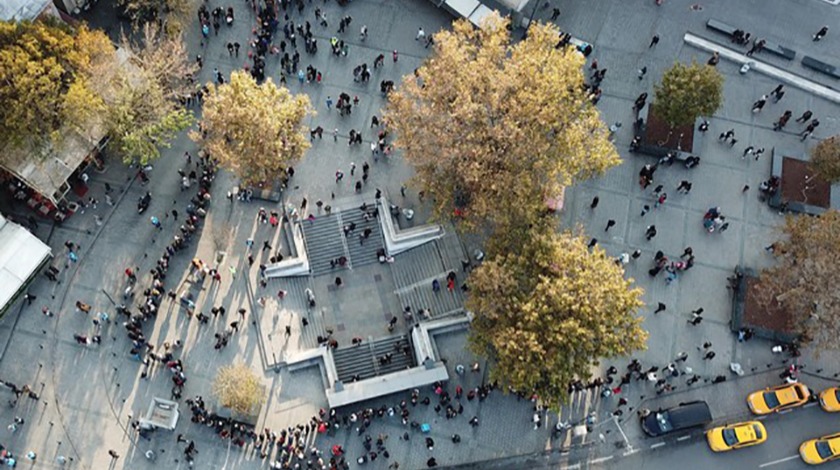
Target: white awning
21	254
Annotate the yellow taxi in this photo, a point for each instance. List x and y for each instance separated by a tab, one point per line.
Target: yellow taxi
830	399
735	436
779	398
821	450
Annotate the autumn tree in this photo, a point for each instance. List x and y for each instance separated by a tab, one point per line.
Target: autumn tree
254	130
145	112
803	281
492	128
688	92
825	159
238	389
545	313
45	71
58	79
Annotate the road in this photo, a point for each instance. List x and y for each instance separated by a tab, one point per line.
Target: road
781	451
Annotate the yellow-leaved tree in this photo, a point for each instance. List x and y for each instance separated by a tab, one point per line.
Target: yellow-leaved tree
57	78
254	130
46	81
238	389
493	128
545	313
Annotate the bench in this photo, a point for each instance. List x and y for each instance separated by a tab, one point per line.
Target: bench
779	50
720	27
659	152
769	46
820	66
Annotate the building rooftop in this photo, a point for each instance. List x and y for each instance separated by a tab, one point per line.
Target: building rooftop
21	10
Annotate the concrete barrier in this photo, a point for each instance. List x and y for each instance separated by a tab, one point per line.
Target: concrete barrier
386	384
398	241
290	267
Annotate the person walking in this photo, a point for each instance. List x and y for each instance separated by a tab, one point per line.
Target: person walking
783	120
758	45
595	201
420	34
810	129
778	93
684	187
654	41
695	321
650	232
820	34
709	356
759	105
661	200
660	308
805	116
747	151
758	153
610	224
640	102
329	103
555	13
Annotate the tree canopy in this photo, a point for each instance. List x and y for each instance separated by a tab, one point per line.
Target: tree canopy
825	159
145	113
544	314
688	92
46	69
238	389
254	130
803	282
57	78
493	128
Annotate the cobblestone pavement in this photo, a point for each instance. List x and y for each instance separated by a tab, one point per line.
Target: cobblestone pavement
89	395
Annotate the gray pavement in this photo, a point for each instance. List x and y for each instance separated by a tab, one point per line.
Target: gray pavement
88	395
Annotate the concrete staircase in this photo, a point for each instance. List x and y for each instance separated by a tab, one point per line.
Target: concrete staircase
362	254
414	272
363	360
439	304
295	301
417	264
324	242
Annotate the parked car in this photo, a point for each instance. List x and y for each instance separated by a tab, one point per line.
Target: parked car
779	398
821	450
736	436
678	418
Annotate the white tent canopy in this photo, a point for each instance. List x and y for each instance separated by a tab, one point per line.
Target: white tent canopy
21	254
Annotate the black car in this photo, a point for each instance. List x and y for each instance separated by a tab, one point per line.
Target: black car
678	418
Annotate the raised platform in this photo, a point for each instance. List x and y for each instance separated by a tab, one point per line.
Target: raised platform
430	370
800	191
